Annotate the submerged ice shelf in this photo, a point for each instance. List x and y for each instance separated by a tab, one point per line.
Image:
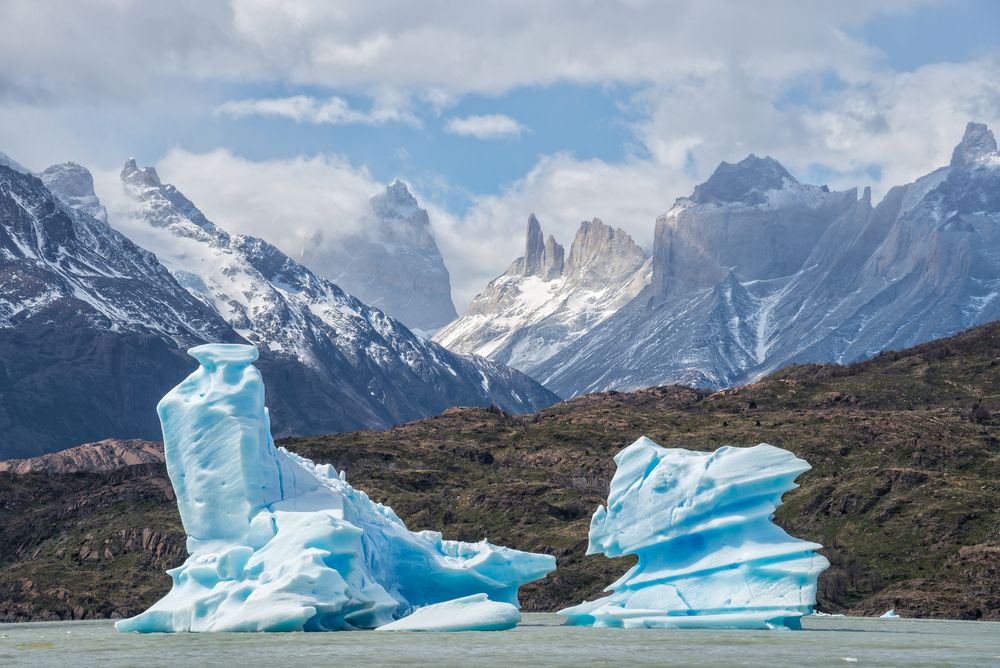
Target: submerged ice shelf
709	555
278	543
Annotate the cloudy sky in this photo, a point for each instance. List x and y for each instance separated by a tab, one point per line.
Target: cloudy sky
280	117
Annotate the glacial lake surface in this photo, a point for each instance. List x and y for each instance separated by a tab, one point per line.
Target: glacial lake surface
538	641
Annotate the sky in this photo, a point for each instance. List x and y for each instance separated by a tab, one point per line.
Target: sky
281	117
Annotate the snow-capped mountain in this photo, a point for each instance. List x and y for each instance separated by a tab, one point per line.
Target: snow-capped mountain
545	301
281	306
74	185
391	261
755	271
93	326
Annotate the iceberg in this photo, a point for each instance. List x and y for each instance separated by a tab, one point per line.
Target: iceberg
890	614
278	543
470	613
709	555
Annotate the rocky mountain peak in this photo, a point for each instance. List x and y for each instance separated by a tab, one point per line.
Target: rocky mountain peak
73	184
978	145
134	175
395	202
542	257
601	253
162	205
744	182
555	256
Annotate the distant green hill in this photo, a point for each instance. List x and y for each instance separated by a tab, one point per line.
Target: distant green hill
904	493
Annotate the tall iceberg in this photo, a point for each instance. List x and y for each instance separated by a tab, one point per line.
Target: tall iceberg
709	555
278	543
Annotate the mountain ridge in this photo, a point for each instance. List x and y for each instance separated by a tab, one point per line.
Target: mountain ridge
83	306
745	280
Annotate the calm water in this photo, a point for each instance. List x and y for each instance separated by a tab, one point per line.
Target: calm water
825	641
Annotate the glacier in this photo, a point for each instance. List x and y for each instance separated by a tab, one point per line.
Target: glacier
278	543
709	555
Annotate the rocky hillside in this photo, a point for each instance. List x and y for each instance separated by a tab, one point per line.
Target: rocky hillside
904	493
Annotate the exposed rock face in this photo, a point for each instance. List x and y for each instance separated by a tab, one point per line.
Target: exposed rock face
92	327
545	301
542	257
978	146
392	262
106	455
755	271
74	185
601	255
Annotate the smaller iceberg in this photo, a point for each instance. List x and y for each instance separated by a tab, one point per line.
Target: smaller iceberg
278	543
889	614
709	555
469	613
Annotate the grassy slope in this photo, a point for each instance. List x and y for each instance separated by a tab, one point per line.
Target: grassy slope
904	492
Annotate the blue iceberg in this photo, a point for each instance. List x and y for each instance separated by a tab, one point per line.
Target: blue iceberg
709	555
278	543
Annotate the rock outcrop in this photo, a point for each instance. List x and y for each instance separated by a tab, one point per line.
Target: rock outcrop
546	300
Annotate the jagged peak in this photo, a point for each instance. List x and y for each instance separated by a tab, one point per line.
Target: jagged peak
396	201
132	174
602	252
746	181
542	257
978	145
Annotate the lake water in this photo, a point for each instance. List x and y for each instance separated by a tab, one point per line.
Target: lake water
539	640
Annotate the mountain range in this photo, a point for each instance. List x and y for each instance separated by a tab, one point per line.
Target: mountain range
546	300
754	271
751	272
93	322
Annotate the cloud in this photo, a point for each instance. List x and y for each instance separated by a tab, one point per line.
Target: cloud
492	126
334	110
713	82
106	51
298	204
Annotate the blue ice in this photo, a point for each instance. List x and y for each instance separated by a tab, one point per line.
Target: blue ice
709	555
278	543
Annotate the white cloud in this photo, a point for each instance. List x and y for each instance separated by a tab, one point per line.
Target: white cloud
333	110
117	50
712	79
491	126
298	204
